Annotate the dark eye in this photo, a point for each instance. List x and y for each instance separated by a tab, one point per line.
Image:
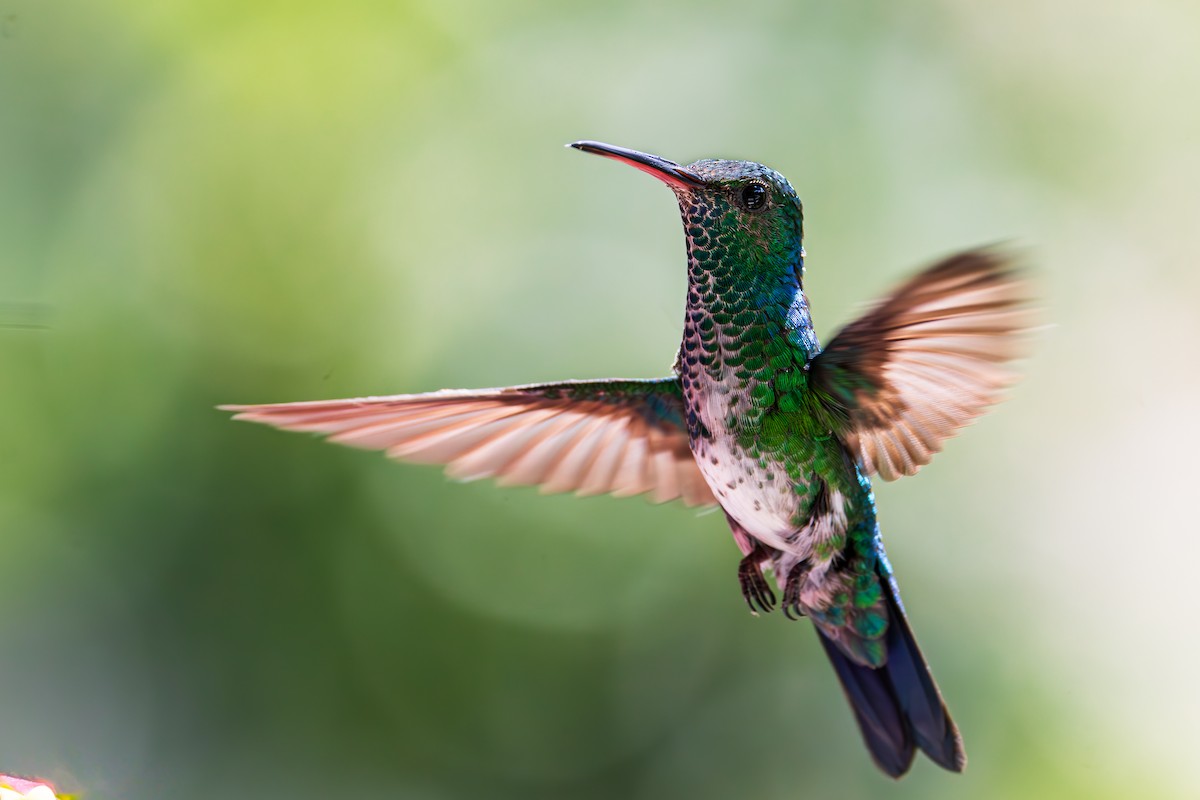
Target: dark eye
753	196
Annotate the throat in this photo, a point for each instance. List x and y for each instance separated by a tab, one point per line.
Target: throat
747	341
750	331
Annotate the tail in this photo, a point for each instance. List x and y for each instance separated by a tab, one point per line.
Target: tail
897	705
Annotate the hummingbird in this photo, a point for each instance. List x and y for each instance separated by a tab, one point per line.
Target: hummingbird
756	419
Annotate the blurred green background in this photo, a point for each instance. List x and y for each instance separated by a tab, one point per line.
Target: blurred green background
251	202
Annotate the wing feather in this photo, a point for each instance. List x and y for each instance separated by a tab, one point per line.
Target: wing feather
926	361
599	477
576	456
622	437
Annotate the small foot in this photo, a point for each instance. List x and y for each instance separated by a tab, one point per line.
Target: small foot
755	589
791	591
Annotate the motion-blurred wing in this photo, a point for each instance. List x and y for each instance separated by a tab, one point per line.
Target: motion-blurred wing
591	437
926	361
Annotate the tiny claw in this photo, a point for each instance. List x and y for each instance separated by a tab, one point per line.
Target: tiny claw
791	591
766	598
755	590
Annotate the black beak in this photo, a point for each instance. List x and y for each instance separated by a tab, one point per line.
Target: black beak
668	172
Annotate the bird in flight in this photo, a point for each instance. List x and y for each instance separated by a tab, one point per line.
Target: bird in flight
755	418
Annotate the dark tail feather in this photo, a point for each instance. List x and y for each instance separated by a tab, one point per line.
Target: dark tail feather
898	706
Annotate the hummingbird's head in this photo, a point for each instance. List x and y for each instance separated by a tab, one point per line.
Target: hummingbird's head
737	212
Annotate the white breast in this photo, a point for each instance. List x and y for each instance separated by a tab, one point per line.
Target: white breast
763	501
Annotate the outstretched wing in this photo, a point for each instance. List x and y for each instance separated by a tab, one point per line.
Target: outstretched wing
591	437
926	361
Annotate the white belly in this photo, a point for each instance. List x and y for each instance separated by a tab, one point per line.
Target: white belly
763	501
